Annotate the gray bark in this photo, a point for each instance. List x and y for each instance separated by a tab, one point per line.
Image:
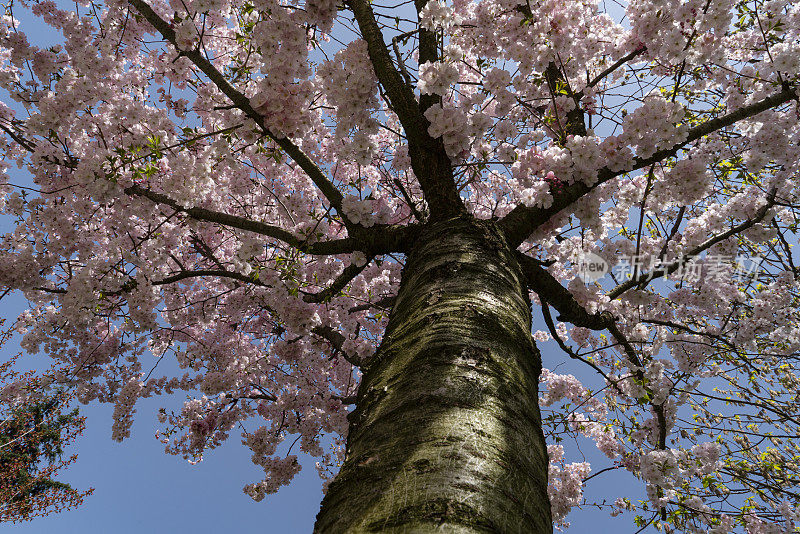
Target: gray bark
446	435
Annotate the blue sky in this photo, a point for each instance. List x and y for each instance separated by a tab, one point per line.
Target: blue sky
139	488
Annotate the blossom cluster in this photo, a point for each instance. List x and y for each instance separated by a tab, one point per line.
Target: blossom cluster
565	483
637	127
437	14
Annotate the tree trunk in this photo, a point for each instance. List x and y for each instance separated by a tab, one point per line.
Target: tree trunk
447	436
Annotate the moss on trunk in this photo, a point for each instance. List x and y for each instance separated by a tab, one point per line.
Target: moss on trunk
446	435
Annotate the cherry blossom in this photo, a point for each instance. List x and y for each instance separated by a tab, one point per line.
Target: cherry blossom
221	203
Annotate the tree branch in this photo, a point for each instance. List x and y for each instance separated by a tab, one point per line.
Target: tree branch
523	221
428	52
319	178
548	321
576	124
401	95
19	139
621	61
685	328
347	275
552	293
429	160
645	278
336	339
548	288
184	275
339	246
376	240
384	304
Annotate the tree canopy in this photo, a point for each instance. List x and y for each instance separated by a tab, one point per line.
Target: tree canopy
226	194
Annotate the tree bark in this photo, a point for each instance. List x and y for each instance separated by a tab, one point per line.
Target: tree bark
446	435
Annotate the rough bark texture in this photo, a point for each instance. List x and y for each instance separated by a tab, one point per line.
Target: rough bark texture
446	436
